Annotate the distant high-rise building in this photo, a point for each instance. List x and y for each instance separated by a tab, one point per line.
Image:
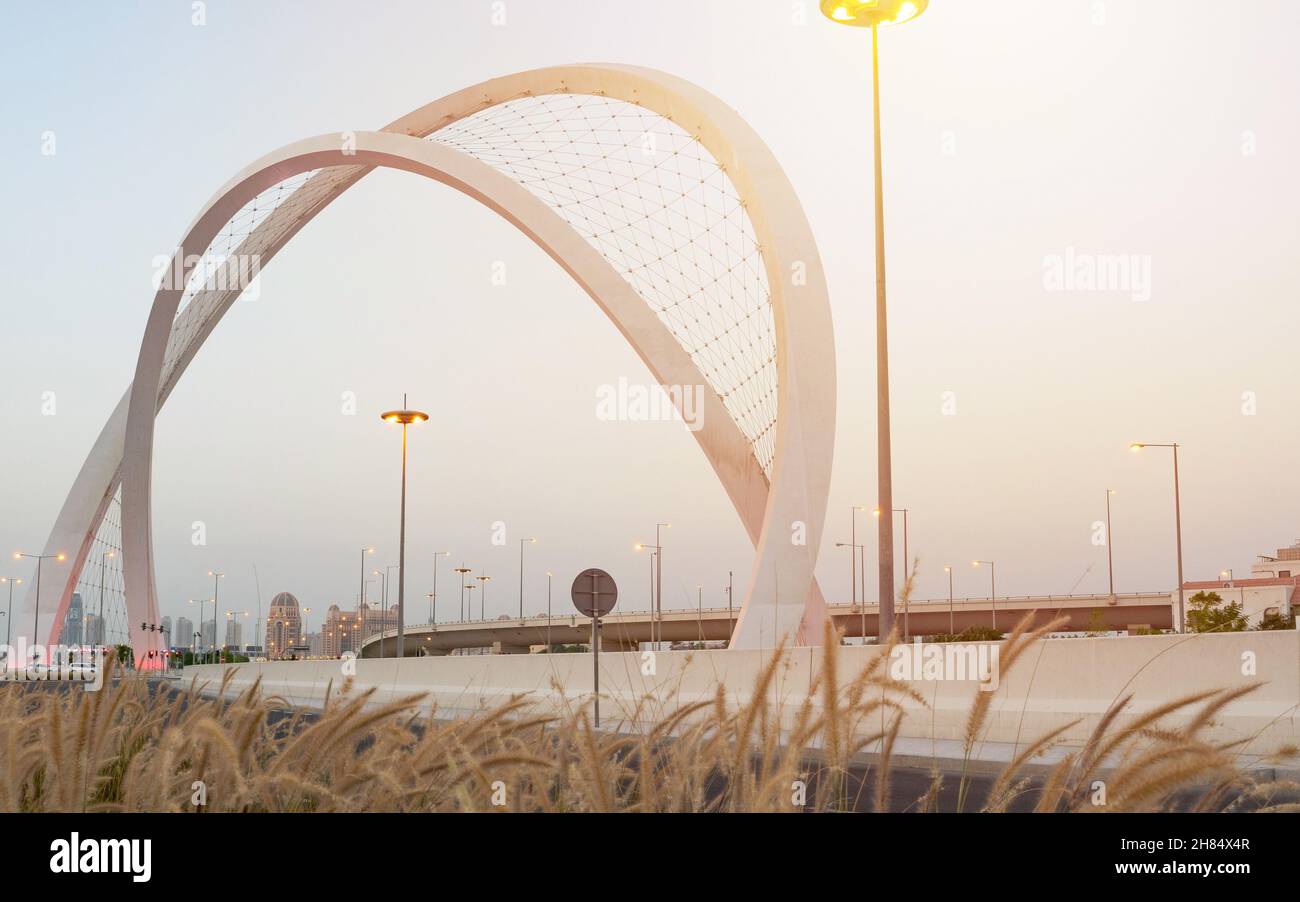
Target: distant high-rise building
234	632
208	635
283	626
314	643
73	627
184	632
94	632
344	632
167	632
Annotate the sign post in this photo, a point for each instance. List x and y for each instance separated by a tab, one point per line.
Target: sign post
594	595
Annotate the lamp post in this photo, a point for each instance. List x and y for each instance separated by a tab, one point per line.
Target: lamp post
1178	524
1110	556
993	588
731	622
699	612
198	642
433	596
406	418
548	611
656	616
470	588
853	549
362	597
482	596
462	570
383	606
906	602
9	615
522	543
872	14
216	580
40	559
951	620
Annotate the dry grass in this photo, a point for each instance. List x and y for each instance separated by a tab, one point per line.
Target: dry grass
127	749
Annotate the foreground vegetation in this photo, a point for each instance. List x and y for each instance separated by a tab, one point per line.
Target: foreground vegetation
135	746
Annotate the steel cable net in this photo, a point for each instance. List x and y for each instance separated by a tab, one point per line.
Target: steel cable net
660	209
231	263
97	615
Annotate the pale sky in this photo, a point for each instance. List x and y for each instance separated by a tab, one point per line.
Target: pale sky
1164	129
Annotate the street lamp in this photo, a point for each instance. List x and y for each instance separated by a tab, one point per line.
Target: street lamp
462	570
9	615
406	418
198	642
951	622
470	588
993	588
1178	522
361	599
656	616
40	558
433	596
1110	556
548	611
216	579
871	14
522	543
699	612
482	598
854	548
906	565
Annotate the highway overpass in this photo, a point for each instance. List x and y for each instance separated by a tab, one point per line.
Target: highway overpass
624	631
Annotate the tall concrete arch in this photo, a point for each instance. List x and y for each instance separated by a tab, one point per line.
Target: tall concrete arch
782	505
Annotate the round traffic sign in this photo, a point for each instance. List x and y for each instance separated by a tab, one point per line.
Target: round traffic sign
594	592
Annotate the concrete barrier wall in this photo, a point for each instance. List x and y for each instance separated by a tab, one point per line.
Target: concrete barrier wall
1054	682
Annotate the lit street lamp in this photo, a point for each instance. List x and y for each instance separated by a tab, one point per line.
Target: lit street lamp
993	588
406	418
40	558
871	14
1178	523
462	570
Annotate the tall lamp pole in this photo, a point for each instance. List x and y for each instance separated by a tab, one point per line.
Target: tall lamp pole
951	621
872	14
406	418
216	611
522	543
1110	556
548	611
462	570
853	550
1178	524
9	616
993	587
40	559
433	596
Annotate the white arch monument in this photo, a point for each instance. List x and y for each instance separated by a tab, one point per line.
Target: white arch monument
660	202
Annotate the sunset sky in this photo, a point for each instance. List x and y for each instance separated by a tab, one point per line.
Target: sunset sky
1161	130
